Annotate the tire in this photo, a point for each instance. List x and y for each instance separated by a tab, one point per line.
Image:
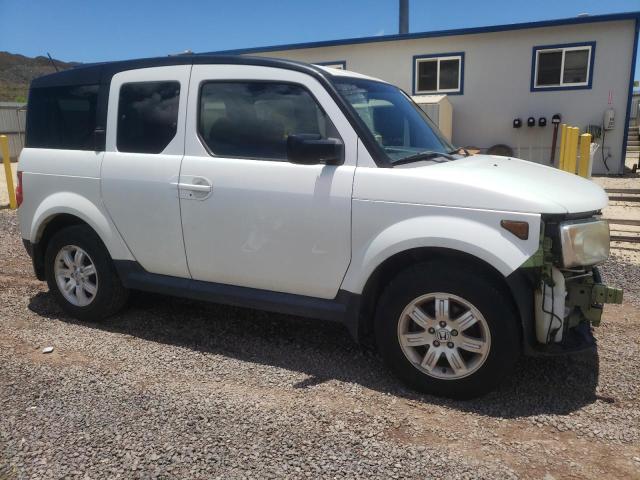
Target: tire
441	361
102	293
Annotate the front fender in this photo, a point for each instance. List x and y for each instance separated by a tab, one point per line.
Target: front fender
74	204
382	230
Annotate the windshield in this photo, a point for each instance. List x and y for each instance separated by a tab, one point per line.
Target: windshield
399	126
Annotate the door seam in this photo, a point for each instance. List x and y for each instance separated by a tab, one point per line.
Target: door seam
184	152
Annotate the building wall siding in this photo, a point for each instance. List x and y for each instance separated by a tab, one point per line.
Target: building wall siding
497	80
13	117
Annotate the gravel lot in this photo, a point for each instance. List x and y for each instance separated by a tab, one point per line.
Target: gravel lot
180	389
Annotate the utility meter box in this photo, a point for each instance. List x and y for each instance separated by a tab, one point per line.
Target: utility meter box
439	110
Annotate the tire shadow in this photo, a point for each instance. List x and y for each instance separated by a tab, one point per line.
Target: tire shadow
325	351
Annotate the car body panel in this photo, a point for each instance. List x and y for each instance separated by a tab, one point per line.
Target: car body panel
383	229
485	182
140	191
267	224
53	195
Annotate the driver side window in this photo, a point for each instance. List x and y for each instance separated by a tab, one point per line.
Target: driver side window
253	119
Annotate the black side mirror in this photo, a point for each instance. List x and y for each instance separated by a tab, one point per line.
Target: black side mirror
311	149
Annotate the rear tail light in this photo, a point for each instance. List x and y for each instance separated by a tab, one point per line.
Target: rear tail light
19	196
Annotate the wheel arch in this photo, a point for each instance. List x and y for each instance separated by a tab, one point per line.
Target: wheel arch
66	209
516	287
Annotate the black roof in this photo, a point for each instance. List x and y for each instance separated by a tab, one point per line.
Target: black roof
101	73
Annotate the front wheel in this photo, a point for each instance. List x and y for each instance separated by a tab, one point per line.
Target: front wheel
447	329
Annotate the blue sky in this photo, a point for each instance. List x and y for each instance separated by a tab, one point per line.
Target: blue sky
87	30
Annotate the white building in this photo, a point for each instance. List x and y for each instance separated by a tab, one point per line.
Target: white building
576	67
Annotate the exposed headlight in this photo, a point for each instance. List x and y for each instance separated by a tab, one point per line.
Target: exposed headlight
584	242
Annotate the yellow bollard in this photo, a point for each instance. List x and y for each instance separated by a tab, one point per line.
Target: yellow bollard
572	150
585	155
563	145
6	160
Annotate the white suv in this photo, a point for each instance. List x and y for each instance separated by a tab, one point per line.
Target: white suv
312	191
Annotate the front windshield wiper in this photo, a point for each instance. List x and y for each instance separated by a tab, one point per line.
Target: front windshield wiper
427	155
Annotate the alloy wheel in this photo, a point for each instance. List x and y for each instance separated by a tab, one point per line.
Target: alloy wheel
76	275
444	336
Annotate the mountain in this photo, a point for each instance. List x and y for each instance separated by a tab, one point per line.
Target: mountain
17	71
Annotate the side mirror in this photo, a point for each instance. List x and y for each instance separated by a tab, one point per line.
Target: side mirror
312	149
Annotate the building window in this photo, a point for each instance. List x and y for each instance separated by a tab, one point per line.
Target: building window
556	67
442	73
147	116
253	119
339	64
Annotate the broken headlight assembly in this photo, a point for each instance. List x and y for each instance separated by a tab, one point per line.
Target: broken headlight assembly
570	294
584	242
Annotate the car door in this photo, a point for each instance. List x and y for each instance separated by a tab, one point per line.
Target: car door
250	218
140	169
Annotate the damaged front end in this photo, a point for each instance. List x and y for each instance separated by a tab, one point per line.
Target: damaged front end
569	294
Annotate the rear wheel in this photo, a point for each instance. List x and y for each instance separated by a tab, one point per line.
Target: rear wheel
447	329
81	276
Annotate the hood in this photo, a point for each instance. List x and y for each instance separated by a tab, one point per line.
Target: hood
484	181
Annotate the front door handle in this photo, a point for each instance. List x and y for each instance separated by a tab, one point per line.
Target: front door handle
194	187
199	188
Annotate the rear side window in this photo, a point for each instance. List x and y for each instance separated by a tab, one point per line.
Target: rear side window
62	117
254	119
147	116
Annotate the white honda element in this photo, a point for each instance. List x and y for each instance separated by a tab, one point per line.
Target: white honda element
312	191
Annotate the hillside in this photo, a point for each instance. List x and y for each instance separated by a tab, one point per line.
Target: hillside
16	71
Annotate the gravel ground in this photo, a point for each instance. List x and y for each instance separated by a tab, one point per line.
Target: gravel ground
179	389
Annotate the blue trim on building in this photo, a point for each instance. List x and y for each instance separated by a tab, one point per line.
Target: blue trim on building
438	33
438	55
337	62
632	70
536	48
